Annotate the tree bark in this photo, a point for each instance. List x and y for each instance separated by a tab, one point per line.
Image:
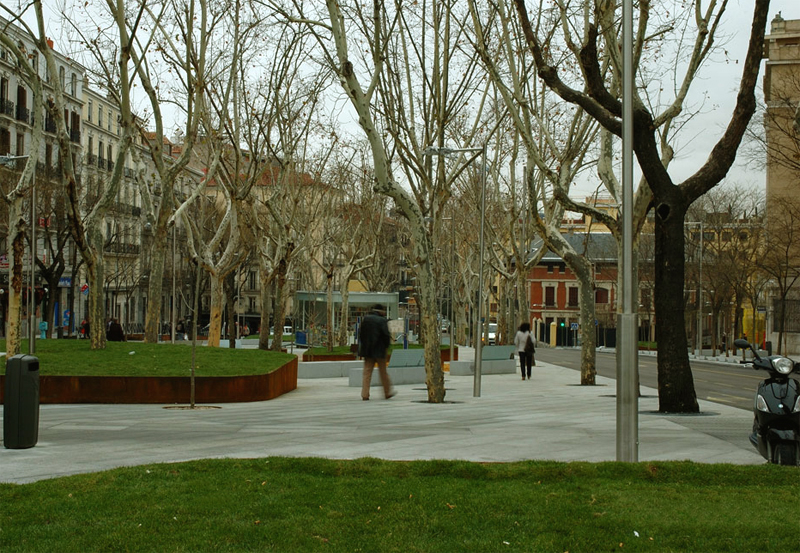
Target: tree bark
676	393
215	318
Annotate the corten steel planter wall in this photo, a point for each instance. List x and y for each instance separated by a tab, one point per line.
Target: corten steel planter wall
165	389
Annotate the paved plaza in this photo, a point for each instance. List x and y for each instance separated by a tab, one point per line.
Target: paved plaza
550	417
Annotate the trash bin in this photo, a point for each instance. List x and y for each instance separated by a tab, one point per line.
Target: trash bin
21	402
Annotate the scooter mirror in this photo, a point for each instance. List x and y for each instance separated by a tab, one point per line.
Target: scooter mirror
741	343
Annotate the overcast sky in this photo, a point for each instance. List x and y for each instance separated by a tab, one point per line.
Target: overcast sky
720	80
715	89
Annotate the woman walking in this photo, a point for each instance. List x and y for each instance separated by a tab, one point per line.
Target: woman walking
526	346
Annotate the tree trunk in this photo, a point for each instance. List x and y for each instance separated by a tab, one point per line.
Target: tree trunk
50	305
676	392
344	316
434	376
329	310
587	318
266	289
158	254
215	318
280	313
95	278
17	248
230	301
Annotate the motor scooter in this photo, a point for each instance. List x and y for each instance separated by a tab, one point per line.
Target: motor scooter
776	428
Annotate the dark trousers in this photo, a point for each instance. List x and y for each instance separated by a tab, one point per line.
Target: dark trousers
525	363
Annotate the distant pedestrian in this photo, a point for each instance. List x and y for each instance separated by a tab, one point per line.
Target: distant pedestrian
84	329
526	347
115	332
43	330
373	345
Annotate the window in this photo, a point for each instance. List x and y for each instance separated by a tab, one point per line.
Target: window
48	156
601	295
100	115
251	280
573	297
549	268
20	144
110	155
74	85
90	147
90	108
550	296
5	141
62	78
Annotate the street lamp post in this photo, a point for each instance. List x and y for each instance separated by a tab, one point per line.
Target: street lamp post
434	151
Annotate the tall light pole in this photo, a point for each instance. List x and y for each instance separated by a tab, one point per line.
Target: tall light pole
627	355
434	151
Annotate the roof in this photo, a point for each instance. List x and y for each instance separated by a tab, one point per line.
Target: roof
598	247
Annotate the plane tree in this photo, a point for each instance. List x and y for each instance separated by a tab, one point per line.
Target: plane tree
407	78
597	53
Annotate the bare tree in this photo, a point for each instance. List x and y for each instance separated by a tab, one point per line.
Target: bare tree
557	141
405	90
780	258
599	97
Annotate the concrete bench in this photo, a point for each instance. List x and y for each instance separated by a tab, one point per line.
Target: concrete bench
326	369
494	360
406	366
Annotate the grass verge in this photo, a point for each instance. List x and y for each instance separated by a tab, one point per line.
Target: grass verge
280	504
76	358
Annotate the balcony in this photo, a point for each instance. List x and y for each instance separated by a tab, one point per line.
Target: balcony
23	114
49	125
75	136
121	248
101	162
7	107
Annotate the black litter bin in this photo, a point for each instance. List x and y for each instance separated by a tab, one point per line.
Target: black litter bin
21	402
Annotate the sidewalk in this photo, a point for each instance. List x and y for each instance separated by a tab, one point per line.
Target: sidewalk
550	417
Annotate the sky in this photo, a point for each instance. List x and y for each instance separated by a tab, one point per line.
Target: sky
720	81
715	89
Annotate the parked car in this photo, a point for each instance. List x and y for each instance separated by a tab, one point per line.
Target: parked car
492	334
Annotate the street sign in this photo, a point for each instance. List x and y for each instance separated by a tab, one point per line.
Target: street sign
573	326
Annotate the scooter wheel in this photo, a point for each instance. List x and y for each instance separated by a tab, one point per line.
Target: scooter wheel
786	454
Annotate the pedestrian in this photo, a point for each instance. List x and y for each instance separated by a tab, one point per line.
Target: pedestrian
115	332
526	347
84	329
373	345
43	330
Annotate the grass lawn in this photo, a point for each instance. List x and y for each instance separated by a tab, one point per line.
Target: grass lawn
76	358
280	504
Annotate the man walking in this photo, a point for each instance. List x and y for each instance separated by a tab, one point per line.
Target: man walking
373	343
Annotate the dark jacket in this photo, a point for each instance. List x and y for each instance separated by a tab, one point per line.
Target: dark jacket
115	333
374	337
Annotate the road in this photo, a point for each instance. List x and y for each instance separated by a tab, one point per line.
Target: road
729	384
